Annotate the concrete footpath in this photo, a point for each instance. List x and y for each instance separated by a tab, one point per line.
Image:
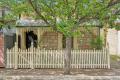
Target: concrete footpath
66	77
57	74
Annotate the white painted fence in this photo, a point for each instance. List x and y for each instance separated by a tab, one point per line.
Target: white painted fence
36	58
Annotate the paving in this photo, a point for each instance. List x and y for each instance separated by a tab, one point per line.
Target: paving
64	78
57	74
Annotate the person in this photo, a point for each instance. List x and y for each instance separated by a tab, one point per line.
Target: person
32	38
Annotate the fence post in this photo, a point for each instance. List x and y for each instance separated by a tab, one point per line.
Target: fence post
16	56
31	56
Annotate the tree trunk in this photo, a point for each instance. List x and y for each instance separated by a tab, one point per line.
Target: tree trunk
67	55
105	34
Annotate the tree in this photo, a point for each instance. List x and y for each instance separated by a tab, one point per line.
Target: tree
66	16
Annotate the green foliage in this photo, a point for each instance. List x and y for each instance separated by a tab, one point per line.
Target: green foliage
71	13
117	27
65	27
16	8
96	43
1	24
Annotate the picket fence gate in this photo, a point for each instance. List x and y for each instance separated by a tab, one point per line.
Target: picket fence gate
37	58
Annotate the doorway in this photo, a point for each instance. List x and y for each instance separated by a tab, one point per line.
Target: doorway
31	37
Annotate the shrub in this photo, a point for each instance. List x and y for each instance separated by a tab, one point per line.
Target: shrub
96	43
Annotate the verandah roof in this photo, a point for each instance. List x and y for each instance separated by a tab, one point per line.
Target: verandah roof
41	23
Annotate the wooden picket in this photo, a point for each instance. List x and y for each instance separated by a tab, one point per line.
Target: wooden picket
37	58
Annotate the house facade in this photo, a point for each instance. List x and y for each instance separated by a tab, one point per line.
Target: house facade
46	37
37	31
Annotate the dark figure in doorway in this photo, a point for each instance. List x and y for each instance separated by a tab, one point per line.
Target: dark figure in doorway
31	38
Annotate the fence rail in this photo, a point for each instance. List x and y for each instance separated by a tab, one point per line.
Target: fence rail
36	58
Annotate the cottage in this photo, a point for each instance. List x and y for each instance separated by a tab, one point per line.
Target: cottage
46	38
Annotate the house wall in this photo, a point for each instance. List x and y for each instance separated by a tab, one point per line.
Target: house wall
112	39
118	47
83	41
50	39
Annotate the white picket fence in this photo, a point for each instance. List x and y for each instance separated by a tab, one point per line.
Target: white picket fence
37	58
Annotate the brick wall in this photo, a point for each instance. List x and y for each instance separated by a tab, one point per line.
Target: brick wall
1	50
49	40
84	40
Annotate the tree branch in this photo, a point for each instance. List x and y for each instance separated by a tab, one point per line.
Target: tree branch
74	10
52	13
82	20
66	2
7	21
110	4
117	12
113	2
35	9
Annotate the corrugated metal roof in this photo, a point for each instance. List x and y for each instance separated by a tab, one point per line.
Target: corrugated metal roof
26	23
8	30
